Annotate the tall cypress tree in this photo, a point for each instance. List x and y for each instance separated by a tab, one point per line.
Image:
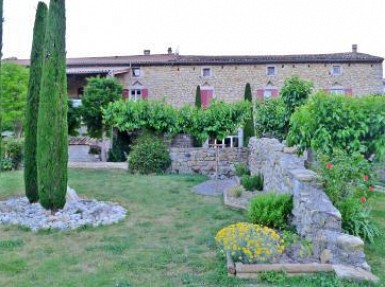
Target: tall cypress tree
36	68
248	130
52	131
1	46
198	99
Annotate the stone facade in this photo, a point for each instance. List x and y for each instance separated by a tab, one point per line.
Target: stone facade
314	215
174	77
203	160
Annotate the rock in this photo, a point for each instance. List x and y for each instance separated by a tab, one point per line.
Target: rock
350	243
354	273
71	194
326	256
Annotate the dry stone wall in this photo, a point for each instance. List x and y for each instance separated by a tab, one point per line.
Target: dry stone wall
314	215
203	160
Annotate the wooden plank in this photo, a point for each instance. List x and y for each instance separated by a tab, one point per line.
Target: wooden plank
288	268
230	264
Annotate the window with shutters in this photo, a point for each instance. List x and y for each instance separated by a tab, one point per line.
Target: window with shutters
135	94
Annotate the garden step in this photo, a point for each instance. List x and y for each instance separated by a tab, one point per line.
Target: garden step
354	273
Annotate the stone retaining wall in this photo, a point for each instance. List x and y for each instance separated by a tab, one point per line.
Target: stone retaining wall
203	160
314	215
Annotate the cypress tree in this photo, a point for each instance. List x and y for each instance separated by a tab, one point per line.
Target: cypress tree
36	67
52	131
1	46
198	100
248	130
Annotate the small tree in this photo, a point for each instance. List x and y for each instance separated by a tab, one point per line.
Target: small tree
198	99
294	94
98	93
73	119
249	130
14	81
1	46
52	131
36	68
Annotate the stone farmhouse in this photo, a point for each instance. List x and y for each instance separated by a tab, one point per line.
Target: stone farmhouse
175	77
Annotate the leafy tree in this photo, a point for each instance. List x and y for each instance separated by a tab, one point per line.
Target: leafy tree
249	130
198	99
329	122
294	94
270	118
73	119
14	81
52	130
98	93
1	46
36	68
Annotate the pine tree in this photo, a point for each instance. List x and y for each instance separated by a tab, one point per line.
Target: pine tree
36	67
248	130
1	46
52	131
198	100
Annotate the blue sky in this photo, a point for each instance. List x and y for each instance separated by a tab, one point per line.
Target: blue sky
206	27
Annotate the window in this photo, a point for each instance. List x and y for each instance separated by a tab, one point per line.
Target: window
207	95
267	94
336	70
135	94
206	72
80	91
270	71
136	72
230	141
337	91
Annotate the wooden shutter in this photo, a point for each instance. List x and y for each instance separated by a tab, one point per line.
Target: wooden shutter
274	93
125	94
145	94
206	97
260	94
349	92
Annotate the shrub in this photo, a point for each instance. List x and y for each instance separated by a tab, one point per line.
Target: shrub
94	149
270	118
6	164
241	169
13	151
271	209
149	155
348	182
237	191
252	182
250	243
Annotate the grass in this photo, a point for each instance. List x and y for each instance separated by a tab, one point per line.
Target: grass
167	239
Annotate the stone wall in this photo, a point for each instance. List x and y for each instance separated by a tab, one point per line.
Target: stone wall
314	215
203	160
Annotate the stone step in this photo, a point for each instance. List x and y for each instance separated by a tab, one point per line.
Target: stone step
354	273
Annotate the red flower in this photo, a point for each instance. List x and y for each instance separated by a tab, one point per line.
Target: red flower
329	165
363	199
366	177
371	188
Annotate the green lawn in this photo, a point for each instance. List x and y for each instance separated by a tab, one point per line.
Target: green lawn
167	238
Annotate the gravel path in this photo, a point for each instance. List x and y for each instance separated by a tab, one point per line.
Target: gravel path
98	165
214	188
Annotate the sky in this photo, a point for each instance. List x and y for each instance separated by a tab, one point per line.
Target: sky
205	27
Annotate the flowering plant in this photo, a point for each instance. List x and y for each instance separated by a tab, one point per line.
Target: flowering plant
250	243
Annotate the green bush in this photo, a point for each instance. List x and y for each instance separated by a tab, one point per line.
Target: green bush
13	151
252	182
236	191
241	169
6	164
271	209
349	183
149	155
270	118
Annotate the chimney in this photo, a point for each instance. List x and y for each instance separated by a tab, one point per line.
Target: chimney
354	48
146	52
169	51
